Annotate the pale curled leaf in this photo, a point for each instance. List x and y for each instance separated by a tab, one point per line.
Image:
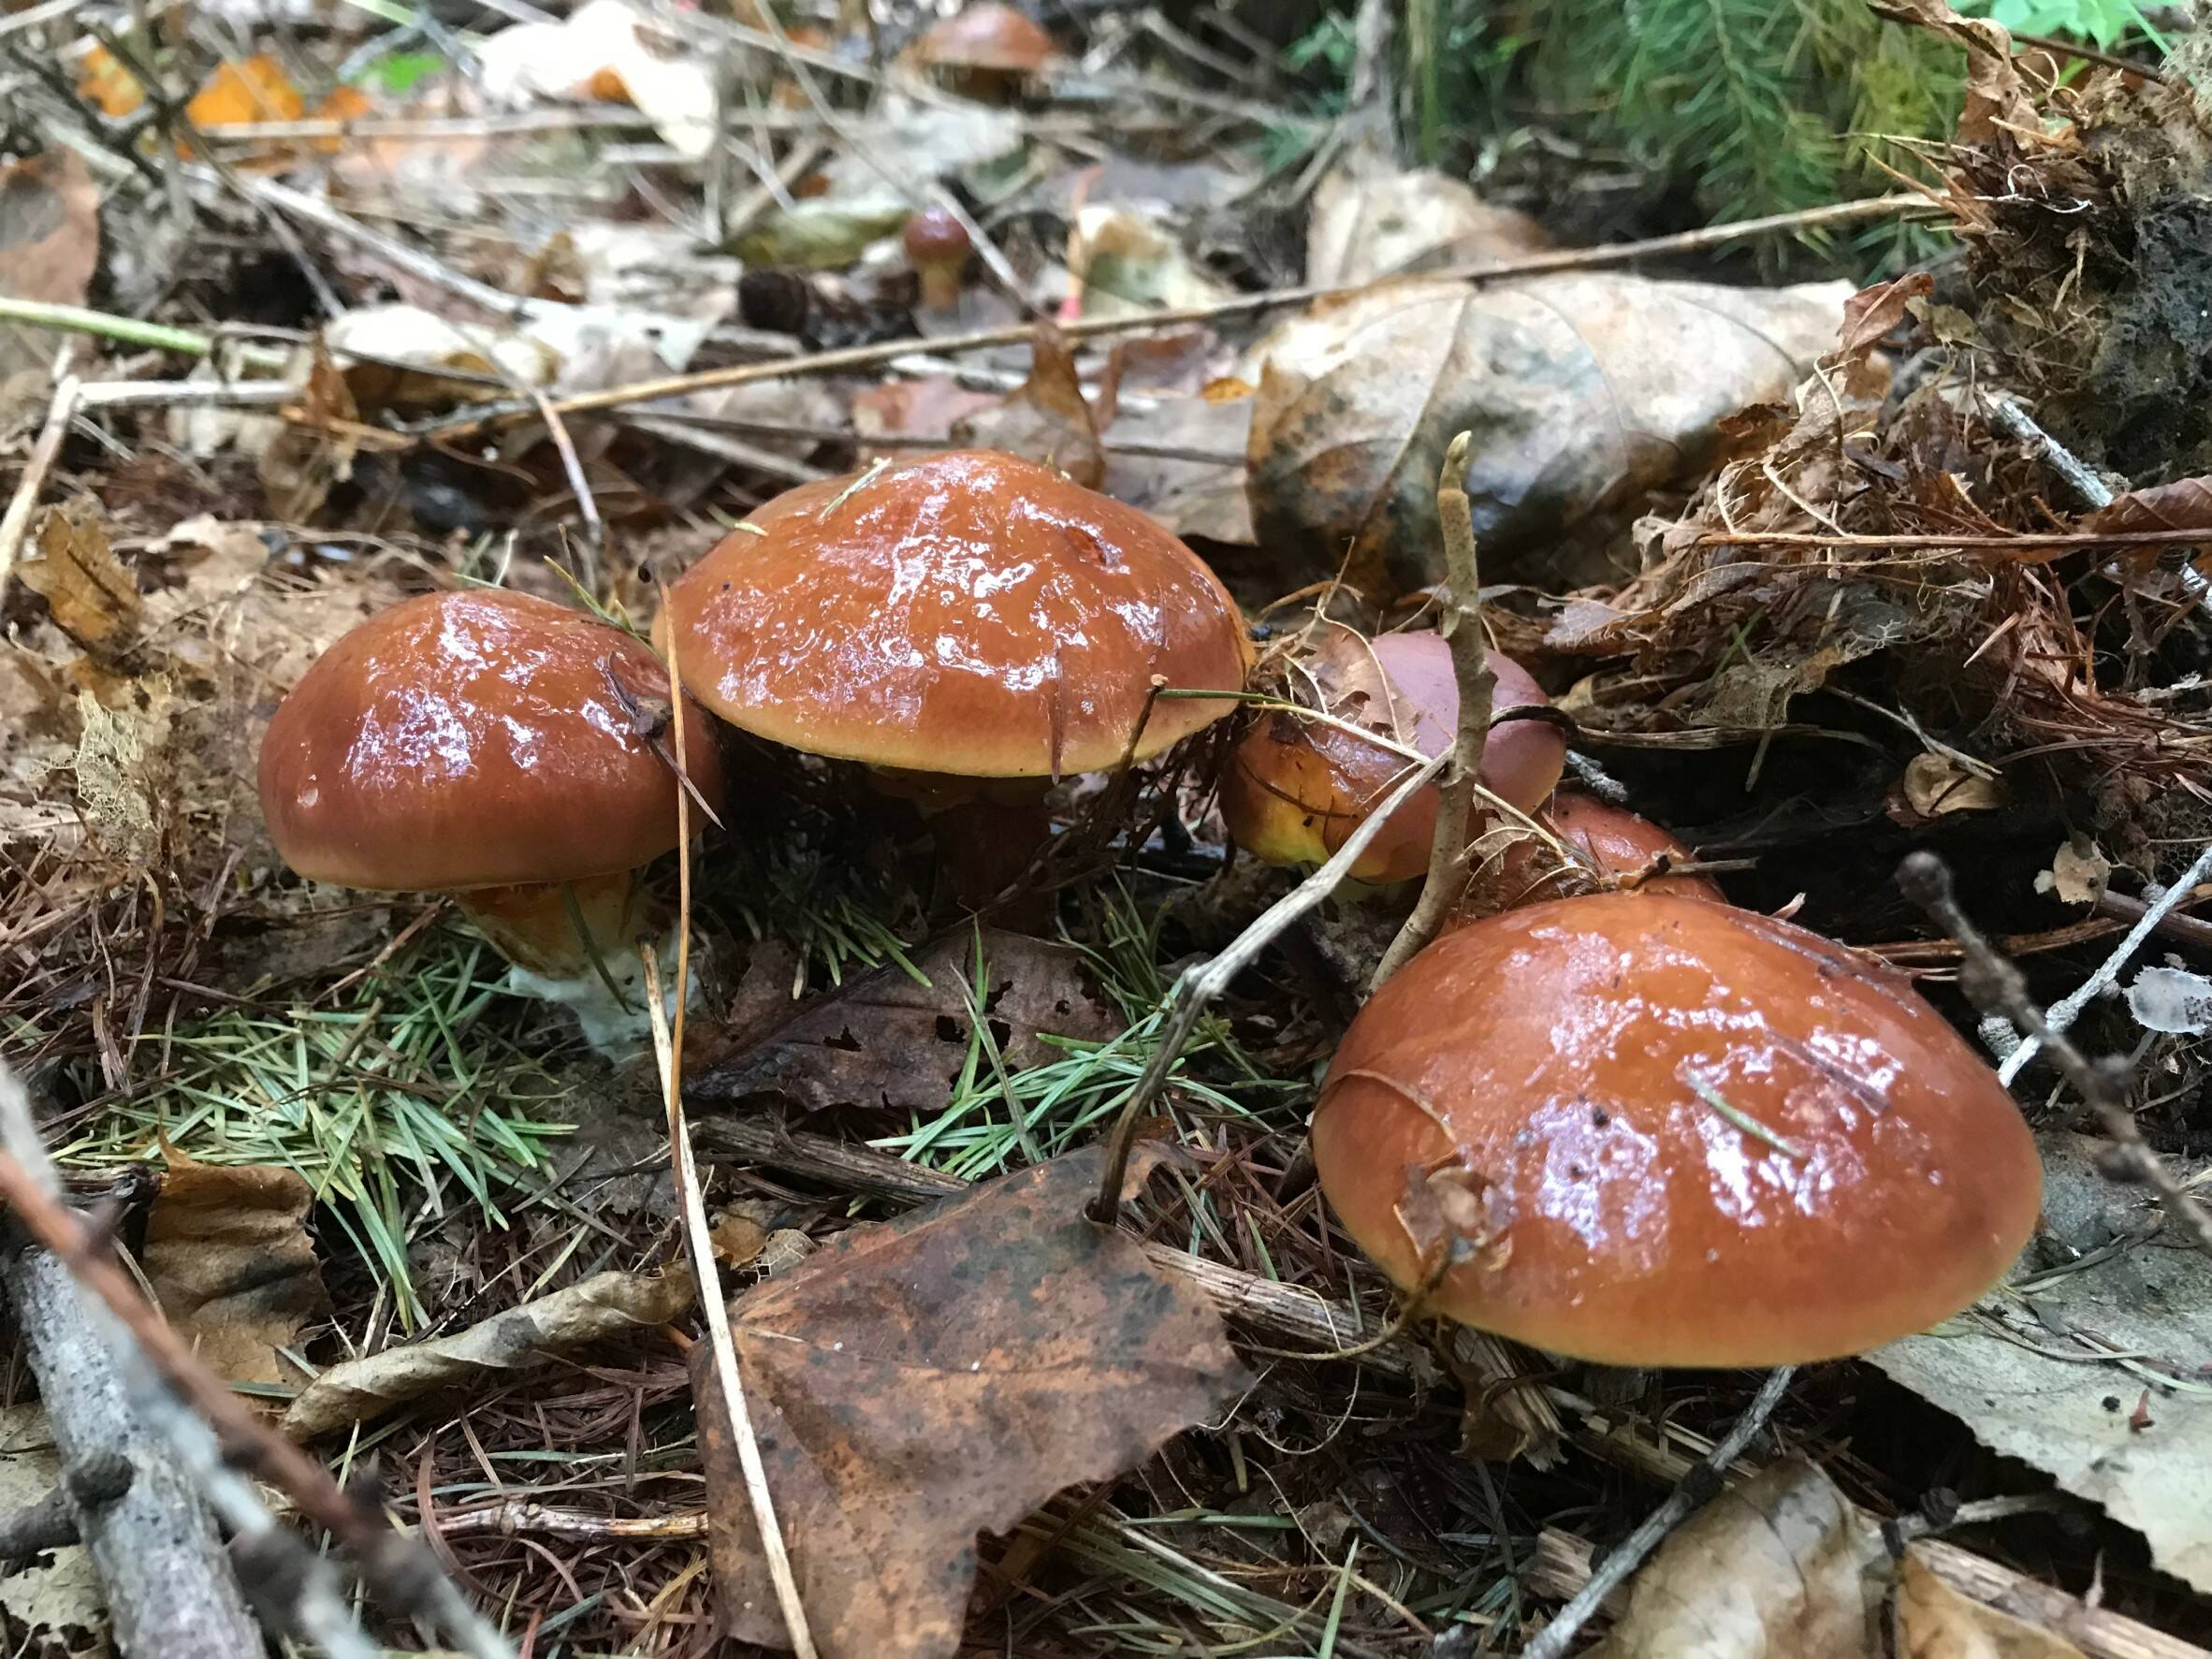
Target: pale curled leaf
2172	999
229	1261
915	1383
1776	1568
1936	1621
519	1340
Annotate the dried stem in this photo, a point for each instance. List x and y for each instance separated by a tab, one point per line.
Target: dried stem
1627	1555
1460	623
58	414
668	1051
1995	985
1197	988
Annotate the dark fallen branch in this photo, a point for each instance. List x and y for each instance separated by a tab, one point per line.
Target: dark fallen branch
50	1524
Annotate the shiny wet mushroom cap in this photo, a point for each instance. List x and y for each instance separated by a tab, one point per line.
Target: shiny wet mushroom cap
990	37
1296	787
1607	846
967	614
492	745
1661	1131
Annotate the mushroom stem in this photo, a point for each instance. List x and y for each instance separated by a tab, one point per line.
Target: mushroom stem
985	846
560	930
940	283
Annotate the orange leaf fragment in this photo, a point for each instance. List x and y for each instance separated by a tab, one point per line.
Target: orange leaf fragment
242	93
103	82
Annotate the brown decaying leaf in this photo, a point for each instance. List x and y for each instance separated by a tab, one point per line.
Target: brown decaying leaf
311	453
2184	504
884	1041
521	1339
927	407
231	1265
1996	97
93	599
915	1383
1776	1568
1936	1621
50	228
1873	313
1046	417
1579	388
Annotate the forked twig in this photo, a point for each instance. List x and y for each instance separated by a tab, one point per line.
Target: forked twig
1197	988
1460	624
1994	985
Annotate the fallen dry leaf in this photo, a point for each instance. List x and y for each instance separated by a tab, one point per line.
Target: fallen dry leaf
925	408
1775	1569
49	227
1368	223
885	1041
102	81
1935	784
1120	264
605	50
2050	1377
1046	418
241	93
519	1340
915	1383
1936	1621
2078	873
310	455
1581	388
93	599
230	1263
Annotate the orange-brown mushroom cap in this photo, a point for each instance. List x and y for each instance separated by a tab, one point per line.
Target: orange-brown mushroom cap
989	35
969	614
1564	1062
1614	846
475	739
1295	789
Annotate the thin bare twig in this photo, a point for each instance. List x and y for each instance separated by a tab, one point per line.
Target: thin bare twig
2068	1008
668	1051
1627	1555
1994	985
400	1568
58	414
1197	988
866	356
1460	623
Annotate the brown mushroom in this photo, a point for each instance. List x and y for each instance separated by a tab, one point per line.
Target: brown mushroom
987	50
1652	1131
1607	849
971	618
937	246
494	746
1296	787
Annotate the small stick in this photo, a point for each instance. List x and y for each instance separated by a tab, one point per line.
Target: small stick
2068	1008
1199	988
401	1570
1994	985
1626	1556
867	356
668	1051
77	319
1459	621
58	414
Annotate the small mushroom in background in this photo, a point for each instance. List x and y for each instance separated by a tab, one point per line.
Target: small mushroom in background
1296	787
1645	1129
989	51
937	246
1600	848
971	627
504	749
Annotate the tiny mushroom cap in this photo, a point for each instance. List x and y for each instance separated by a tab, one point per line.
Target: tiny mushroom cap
988	36
967	614
1652	1130
937	246
476	739
1296	787
1612	846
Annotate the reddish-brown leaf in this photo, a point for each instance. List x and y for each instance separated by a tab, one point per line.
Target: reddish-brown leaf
1046	417
916	1383
885	1041
50	228
2184	504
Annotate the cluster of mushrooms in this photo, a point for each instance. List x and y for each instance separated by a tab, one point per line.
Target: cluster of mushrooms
1607	1113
